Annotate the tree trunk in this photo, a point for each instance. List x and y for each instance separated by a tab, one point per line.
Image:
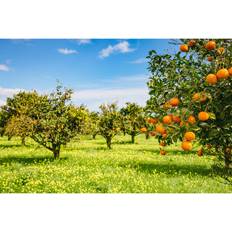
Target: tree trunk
132	138
94	136
227	157
108	141
9	138
147	135
56	151
23	141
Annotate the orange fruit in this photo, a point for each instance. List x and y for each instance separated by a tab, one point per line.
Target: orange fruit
176	119
160	129
230	71
210	58
223	73
163	152
152	120
174	101
203	97
143	129
164	136
152	133
191	43
211	79
210	45
220	50
200	152
203	116
186	146
196	97
184	47
162	143
189	136
167	119
191	119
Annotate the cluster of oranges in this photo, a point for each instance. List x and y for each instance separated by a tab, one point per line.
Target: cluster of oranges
223	73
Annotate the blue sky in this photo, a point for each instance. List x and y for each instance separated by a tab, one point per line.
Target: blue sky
98	70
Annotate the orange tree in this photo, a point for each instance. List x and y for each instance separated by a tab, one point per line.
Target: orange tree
190	91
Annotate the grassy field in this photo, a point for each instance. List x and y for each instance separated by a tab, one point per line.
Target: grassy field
87	166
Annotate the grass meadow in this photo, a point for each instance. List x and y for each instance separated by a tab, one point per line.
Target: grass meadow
87	166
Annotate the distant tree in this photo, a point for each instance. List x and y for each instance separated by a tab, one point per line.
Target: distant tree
133	118
4	117
94	119
109	122
19	126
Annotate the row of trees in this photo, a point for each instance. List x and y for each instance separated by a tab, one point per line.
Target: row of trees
52	121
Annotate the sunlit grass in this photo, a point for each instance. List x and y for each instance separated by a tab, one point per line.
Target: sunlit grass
87	166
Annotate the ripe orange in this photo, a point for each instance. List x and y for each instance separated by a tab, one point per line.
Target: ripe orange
162	143
223	73
152	133
200	152
164	136
210	45
203	116
211	79
184	47
143	129
174	101
189	136
176	119
220	50
191	119
160	129
191	43
186	146
167	119
210	58
152	120
230	71
163	152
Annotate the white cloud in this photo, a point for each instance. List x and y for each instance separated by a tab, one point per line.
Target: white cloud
7	92
139	61
94	97
121	47
84	41
67	51
4	67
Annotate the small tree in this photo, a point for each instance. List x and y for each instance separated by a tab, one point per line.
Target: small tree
92	124
57	121
133	119
109	122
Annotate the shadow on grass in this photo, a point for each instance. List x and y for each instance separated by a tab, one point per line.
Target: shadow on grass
28	160
170	169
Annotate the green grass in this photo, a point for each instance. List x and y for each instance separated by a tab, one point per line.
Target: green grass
87	166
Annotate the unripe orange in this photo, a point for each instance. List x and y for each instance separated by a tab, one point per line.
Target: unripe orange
211	79
189	136
203	116
186	146
223	73
191	43
211	45
191	119
184	47
174	101
143	129
167	119
160	129
176	119
230	71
